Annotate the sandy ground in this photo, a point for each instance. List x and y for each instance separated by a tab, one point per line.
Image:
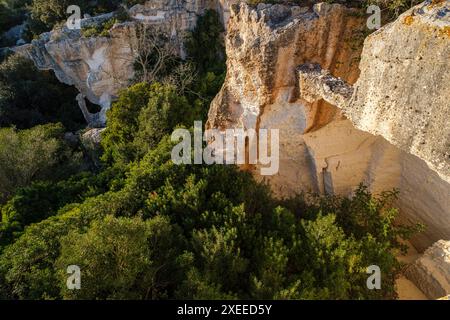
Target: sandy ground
408	291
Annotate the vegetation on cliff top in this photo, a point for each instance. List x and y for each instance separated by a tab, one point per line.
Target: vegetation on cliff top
43	15
390	9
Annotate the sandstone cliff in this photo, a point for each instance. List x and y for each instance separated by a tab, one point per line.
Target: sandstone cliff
322	150
264	46
402	93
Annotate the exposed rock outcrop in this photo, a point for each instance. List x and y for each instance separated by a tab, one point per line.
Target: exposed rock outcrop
99	66
264	46
91	139
402	93
316	84
320	149
431	272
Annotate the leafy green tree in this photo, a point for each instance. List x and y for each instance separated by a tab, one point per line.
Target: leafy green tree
44	14
205	48
123	123
235	242
205	44
36	154
164	111
27	266
43	199
143	114
122	258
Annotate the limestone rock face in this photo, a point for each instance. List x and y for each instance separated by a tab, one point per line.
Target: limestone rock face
403	92
320	149
92	137
91	141
431	272
100	66
264	46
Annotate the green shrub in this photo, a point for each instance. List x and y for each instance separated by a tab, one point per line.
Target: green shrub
242	242
36	154
142	266
143	114
43	199
101	30
45	14
205	44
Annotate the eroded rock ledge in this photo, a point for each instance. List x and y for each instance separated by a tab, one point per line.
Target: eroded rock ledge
316	84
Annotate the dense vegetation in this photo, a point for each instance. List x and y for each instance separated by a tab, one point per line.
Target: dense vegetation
43	15
142	227
29	97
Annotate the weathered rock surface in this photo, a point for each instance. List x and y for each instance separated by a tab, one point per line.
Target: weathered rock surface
266	44
431	272
92	138
97	66
320	149
91	141
316	84
402	93
100	66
